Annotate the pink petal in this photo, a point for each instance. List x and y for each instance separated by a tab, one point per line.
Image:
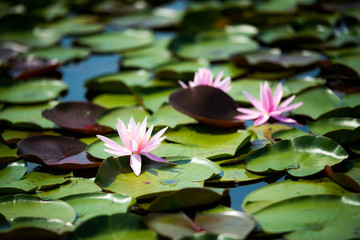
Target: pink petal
155	158
281	110
111	144
253	101
149	148
157	135
287	101
218	78
133	145
261	120
135	163
148	135
117	153
277	96
249	111
264	96
284	119
246	117
182	84
123	133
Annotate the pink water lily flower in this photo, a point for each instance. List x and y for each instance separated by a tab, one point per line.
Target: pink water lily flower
268	106
204	76
136	141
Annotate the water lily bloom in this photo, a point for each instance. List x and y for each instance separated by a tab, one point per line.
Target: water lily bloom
204	76
136	141
268	106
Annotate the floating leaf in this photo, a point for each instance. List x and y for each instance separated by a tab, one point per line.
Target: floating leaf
108	100
56	151
186	198
351	99
28	117
75	186
116	226
7	154
118	82
279	191
297	85
11	136
200	142
109	118
116	175
78	117
89	205
61	54
208	105
289	133
317	217
180	70
228	69
168	116
251	86
217	49
153	100
275	60
34	91
313	106
25	68
300	157
349	182
323	126
118	41
14	206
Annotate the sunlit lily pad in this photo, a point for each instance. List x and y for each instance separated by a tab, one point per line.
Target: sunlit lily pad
180	70
300	157
116	226
289	133
317	217
28	117
287	189
77	116
228	69
177	225
313	105
251	86
351	99
323	126
168	116
89	205
7	154
275	60
217	49
129	39
116	175
109	118
297	85
153	100
61	54
73	187
14	206
118	82
56	151
108	100
34	91
186	198
208	105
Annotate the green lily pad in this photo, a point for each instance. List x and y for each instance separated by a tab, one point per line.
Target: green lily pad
73	187
14	206
279	191
235	174
36	228
323	126
289	133
12	171
118	82
317	217
129	39
168	116
153	100
313	106
338	53
89	205
295	86
7	154
180	70
28	117
61	54
228	69
150	57
109	117
275	60
116	226
200	142
34	91
116	175
217	49
299	157
11	136
351	99
186	198
109	100
346	65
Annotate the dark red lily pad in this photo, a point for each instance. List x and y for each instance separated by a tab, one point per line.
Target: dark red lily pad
78	117
342	179
56	151
208	105
25	68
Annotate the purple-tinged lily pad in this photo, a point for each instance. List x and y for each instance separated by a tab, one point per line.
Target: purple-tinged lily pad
79	117
208	105
343	179
56	151
25	68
